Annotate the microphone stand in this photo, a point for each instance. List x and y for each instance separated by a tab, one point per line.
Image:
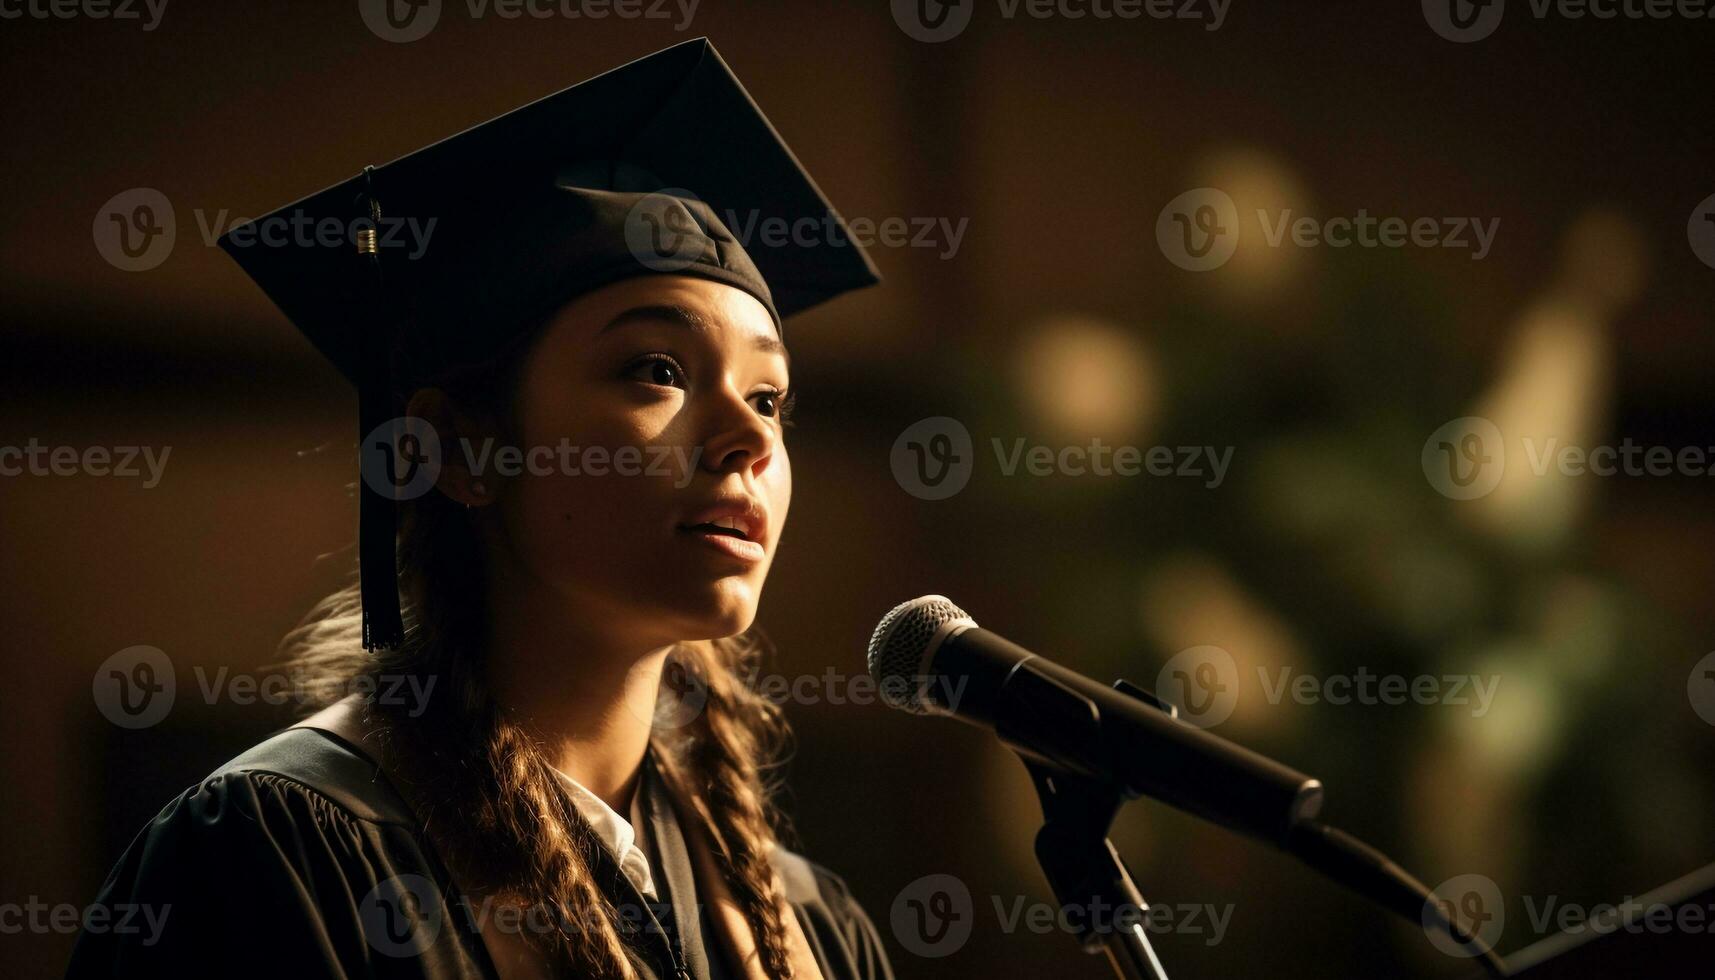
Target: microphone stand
1082	865
1073	847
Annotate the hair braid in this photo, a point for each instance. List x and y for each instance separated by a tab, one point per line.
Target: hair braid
732	748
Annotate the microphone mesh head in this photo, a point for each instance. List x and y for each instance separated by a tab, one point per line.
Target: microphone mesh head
900	649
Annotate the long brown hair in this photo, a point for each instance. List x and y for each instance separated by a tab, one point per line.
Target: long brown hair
490	801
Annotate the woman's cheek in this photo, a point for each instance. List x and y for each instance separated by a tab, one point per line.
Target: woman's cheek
777	484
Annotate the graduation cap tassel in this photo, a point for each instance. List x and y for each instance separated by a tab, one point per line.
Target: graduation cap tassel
377	522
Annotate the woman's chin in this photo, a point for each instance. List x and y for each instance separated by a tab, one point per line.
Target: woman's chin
727	624
726	610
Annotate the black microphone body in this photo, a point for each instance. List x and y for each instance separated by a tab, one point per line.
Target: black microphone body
1066	720
928	656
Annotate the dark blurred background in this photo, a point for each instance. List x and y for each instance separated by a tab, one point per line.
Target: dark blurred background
1328	548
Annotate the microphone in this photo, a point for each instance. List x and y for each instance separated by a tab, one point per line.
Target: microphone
928	656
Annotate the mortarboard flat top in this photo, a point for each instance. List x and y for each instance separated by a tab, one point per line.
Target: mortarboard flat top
678	119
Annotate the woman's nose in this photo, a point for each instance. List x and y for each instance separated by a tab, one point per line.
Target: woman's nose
742	439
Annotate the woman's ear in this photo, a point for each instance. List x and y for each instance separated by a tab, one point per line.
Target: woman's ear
459	434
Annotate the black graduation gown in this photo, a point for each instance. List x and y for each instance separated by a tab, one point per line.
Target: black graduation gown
299	859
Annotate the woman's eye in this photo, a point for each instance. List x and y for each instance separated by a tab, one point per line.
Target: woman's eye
659	370
776	404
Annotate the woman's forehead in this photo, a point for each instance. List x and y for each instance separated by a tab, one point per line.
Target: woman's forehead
713	310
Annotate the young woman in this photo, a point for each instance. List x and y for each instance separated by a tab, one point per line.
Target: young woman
544	761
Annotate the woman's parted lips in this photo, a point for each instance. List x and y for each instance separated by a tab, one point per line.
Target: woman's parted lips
740	515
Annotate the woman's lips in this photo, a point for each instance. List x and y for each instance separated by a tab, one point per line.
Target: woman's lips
741	548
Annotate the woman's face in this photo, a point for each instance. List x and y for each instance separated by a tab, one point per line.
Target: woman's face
653	408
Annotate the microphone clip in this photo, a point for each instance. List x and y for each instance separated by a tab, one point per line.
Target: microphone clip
1083	868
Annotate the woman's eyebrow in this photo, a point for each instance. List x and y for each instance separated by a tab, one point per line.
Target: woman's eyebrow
684	316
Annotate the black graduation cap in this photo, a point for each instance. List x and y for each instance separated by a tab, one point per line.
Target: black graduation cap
444	256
